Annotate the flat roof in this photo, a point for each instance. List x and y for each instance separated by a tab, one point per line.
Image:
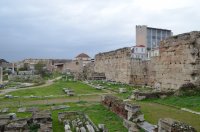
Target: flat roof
153	28
159	29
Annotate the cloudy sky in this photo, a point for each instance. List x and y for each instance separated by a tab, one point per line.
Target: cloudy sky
65	28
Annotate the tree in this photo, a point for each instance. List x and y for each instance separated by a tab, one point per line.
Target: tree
40	69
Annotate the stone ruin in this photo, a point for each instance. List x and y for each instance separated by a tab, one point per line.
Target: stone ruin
44	120
122	90
79	122
40	121
177	64
69	91
59	107
170	125
115	105
137	95
4	110
114	64
96	86
134	119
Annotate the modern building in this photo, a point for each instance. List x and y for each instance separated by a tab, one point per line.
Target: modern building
151	37
153	52
139	52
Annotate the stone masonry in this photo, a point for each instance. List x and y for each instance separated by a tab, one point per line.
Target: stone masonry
115	64
179	61
178	64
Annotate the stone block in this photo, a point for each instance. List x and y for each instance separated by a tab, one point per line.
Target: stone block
122	90
168	124
133	108
4	110
132	127
32	109
21	109
59	107
147	126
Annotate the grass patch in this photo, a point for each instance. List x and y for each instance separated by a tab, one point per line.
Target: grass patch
190	102
97	113
114	87
153	112
100	114
57	89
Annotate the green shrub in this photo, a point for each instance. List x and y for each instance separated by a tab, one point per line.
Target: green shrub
188	89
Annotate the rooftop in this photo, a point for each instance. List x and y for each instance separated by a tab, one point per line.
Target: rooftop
82	55
152	27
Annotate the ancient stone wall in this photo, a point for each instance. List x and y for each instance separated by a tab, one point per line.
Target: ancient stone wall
115	64
178	64
72	66
88	70
139	72
115	105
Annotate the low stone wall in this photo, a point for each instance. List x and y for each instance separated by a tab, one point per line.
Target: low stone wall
151	95
116	105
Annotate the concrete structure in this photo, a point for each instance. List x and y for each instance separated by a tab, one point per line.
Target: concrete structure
1	75
151	37
139	52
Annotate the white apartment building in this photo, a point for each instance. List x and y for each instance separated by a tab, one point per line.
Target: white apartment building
139	52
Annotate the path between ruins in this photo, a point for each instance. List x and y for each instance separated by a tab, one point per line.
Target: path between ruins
47	83
191	111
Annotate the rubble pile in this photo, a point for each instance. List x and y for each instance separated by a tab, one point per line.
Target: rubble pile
44	120
40	121
69	91
79	122
168	124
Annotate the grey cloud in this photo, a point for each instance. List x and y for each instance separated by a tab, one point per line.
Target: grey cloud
64	28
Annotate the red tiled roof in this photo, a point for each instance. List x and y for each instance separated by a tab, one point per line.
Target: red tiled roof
82	55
